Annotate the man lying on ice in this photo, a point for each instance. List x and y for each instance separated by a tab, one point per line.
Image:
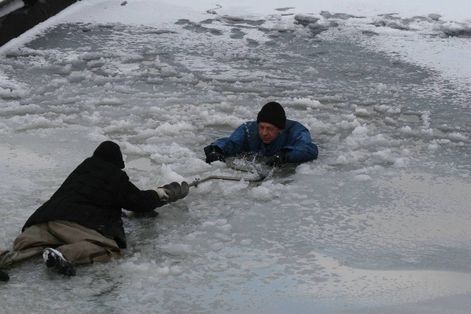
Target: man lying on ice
81	223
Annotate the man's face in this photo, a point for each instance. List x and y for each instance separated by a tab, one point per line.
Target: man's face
268	132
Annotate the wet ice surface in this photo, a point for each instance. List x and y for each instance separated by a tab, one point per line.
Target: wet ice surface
378	223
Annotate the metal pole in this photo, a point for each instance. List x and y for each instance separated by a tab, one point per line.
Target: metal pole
228	178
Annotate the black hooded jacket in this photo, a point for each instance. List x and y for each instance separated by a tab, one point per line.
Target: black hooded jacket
94	194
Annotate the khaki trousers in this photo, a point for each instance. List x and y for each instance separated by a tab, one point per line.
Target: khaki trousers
78	244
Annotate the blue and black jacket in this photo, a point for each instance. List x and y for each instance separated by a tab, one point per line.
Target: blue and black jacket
294	141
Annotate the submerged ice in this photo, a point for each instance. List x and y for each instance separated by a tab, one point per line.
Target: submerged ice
379	220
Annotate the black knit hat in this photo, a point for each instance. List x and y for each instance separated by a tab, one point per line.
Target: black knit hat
109	151
272	113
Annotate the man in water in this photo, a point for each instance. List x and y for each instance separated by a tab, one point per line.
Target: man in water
272	135
81	223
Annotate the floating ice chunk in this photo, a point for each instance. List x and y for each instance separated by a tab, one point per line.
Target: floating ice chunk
305	102
177	249
211	117
95	63
362	177
261	193
425	116
216	224
381	87
317	126
383	154
427	132
112	101
176	270
18	109
92	56
348	124
407	130
143	164
457	137
341	16
169	175
444	141
311	70
132	149
314	23
217	246
381	108
389	157
222	237
221	222
360	131
246	242
394	110
195	165
208	224
30	122
173	129
163	270
434	16
134	266
342	160
118	126
390	121
305	20
360	138
362	112
194	235
225	228
433	145
455	29
392	22
401	162
12	91
306	169
77	76
171	154
231	188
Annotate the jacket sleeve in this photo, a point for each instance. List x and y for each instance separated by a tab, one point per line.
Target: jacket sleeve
235	143
140	200
301	148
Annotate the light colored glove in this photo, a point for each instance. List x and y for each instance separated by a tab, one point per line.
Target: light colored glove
162	193
175	191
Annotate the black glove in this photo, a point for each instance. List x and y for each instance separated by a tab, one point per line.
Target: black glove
276	160
213	153
174	191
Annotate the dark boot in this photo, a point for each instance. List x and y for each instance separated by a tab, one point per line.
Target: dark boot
54	258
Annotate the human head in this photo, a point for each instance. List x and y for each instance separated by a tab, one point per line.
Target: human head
271	121
109	151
